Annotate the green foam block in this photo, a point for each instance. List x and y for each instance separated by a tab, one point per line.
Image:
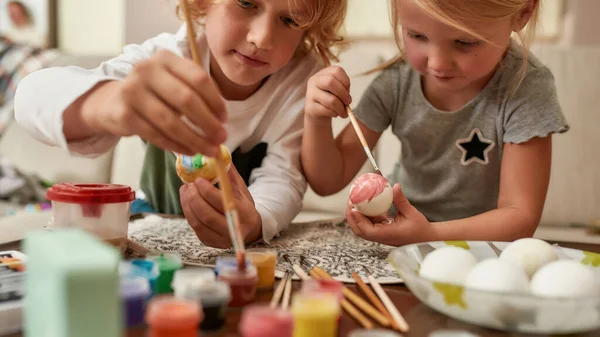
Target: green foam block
72	285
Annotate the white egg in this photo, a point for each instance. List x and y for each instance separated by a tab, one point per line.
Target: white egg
371	194
565	279
378	205
498	275
448	264
531	254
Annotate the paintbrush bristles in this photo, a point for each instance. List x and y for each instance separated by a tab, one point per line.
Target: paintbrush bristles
224	183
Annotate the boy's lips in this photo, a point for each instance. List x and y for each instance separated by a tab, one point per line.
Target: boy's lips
248	60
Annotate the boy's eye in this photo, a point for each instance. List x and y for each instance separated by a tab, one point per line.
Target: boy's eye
289	22
468	44
245	4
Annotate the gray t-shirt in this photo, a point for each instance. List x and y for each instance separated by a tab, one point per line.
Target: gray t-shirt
450	161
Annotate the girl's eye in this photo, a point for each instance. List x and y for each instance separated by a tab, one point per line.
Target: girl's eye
417	36
289	22
245	4
467	44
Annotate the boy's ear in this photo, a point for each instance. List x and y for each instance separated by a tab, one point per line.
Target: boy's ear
523	17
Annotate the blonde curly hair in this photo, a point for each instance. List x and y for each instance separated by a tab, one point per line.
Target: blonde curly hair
320	19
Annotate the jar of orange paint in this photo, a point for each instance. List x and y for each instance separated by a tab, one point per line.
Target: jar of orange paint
265	261
168	316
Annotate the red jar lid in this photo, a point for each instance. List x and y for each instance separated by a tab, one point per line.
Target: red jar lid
90	193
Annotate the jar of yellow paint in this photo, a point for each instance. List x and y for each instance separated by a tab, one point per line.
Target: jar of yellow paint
315	315
265	261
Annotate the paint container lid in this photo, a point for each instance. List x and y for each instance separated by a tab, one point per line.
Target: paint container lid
373	333
167	261
147	265
232	273
262	320
187	277
168	312
323	286
228	260
211	293
132	287
90	193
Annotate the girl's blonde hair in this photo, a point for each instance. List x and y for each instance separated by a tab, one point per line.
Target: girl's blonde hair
457	13
322	20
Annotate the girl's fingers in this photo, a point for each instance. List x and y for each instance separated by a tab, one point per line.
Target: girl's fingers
329	102
335	86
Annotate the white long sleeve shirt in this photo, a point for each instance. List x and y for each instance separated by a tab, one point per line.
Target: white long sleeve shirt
272	115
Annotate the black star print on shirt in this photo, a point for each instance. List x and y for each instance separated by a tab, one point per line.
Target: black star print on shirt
475	148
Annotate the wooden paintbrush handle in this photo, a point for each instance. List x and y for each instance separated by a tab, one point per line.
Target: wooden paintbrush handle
354	298
373	298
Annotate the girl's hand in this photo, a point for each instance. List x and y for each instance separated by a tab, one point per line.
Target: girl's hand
153	101
408	226
203	208
328	94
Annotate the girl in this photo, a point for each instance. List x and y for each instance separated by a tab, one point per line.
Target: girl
473	110
258	56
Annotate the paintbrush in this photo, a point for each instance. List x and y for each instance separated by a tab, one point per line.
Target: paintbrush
359	133
231	214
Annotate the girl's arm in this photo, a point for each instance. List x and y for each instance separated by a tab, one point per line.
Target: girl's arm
524	179
330	164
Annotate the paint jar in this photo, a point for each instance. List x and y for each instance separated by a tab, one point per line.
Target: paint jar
332	287
214	296
315	315
263	321
187	277
100	209
242	284
228	260
168	316
168	264
373	333
134	296
265	261
151	269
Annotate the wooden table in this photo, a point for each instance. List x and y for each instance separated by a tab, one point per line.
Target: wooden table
422	320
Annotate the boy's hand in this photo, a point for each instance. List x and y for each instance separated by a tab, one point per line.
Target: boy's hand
152	102
328	94
203	208
408	226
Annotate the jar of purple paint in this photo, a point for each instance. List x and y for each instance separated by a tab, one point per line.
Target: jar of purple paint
135	292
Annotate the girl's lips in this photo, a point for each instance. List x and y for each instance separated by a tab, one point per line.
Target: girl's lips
248	60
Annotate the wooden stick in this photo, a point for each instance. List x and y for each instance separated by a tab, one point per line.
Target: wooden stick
388	304
373	298
287	294
279	291
233	221
300	272
349	308
359	302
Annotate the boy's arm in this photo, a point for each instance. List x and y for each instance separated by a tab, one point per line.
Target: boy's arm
51	103
278	185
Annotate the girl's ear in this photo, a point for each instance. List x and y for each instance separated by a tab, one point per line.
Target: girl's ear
522	18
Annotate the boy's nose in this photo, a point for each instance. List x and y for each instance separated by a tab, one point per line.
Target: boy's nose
261	33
